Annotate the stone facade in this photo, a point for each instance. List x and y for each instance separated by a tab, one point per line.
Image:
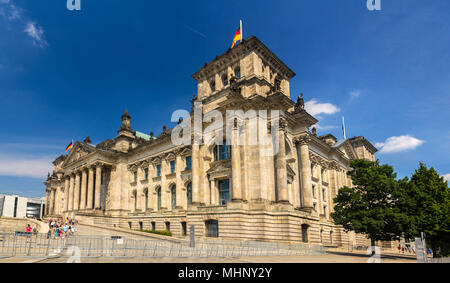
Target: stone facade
141	181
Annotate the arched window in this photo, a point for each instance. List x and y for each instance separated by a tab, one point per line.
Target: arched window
212	228
305	233
222	152
189	193
237	72
212	84
173	193
224	80
158	193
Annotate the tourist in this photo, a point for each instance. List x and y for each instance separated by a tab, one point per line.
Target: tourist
28	229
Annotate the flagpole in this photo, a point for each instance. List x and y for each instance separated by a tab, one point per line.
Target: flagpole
242	32
343	127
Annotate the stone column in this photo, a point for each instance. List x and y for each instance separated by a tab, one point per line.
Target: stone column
90	193
83	188
214	200
306	171
179	182
281	165
195	174
71	189
236	191
76	192
47	202
52	201
98	184
66	193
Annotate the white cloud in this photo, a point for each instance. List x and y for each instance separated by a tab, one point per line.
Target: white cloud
355	94
447	177
399	144
35	167
313	107
9	11
36	33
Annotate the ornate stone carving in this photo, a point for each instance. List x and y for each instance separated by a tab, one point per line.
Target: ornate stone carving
303	139
87	140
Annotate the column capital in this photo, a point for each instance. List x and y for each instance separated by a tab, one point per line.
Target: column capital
302	139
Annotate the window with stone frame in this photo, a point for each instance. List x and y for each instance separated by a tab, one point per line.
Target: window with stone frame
237	72
212	228
312	169
305	233
224	80
135	200
212	85
224	191
173	196
146	198
158	170
314	191
189	193
324	195
146	174
158	194
135	177
188	163
172	166
222	152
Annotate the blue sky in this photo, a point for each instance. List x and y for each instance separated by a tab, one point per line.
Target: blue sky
67	74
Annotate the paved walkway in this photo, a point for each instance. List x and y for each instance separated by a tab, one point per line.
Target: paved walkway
330	257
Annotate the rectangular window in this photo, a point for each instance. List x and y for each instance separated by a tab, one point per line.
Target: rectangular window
146	173
153	226
135	176
224	152
172	167
323	194
188	163
158	170
224	192
313	191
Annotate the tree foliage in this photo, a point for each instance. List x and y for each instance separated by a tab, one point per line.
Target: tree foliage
384	208
367	206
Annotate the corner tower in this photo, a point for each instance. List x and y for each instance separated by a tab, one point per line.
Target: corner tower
253	66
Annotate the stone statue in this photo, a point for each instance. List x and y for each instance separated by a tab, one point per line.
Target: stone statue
314	131
300	105
87	140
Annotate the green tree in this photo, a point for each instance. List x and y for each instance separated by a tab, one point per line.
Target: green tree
368	207
425	199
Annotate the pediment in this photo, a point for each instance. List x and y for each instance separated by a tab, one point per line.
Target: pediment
219	166
78	152
348	150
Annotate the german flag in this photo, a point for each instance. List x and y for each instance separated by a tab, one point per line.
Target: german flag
237	37
69	146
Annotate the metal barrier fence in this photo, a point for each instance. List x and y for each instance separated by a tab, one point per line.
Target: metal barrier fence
106	246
